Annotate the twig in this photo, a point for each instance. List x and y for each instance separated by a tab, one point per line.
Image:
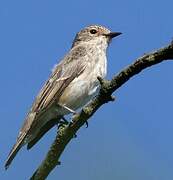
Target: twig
66	133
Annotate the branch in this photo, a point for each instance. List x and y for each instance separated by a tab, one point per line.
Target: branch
67	132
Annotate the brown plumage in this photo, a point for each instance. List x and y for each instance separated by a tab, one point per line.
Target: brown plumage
72	84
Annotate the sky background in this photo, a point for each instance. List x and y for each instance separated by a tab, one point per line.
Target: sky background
129	139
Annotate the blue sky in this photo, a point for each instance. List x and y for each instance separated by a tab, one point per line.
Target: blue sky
129	139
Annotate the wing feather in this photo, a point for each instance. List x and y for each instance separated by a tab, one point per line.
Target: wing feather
64	73
73	64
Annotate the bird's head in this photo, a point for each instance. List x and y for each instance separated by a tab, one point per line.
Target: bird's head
94	33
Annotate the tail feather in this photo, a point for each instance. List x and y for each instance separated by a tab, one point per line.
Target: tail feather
43	131
14	151
21	139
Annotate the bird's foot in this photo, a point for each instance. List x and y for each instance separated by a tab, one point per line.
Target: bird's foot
62	123
86	124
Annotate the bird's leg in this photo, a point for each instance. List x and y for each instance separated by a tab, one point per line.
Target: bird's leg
86	122
65	122
69	110
62	122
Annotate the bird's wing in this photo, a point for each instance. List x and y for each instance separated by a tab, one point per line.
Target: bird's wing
64	73
43	130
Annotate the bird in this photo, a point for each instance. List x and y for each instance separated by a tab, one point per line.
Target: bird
71	85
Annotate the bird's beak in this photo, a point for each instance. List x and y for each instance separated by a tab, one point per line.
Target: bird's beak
113	34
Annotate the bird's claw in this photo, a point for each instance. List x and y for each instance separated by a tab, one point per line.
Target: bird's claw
63	122
86	124
75	136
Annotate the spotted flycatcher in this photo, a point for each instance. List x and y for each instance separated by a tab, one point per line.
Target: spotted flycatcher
72	84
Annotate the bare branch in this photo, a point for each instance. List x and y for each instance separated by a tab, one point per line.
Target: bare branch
67	132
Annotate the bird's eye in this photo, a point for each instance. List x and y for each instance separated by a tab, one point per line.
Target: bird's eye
93	31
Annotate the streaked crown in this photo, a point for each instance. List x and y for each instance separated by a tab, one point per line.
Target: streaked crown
89	33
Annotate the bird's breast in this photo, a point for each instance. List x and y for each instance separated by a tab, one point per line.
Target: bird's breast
84	87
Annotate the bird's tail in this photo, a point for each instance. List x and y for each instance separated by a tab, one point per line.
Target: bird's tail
14	151
44	129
